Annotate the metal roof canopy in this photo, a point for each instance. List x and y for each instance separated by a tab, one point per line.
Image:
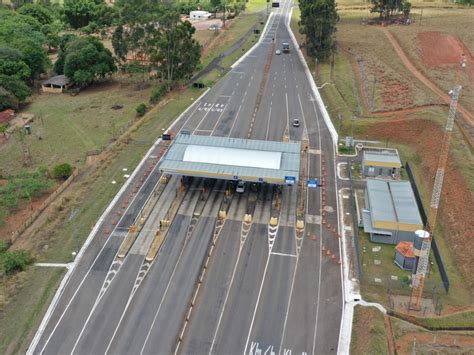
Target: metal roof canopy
387	158
232	159
392	201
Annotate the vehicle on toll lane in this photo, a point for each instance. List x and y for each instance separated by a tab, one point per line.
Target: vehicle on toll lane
286	47
296	122
240	186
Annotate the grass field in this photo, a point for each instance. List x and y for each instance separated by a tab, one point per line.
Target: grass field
70	126
368	332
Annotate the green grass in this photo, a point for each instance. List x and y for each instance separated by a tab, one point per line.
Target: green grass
257	5
462	319
21	317
368	332
232	34
71	126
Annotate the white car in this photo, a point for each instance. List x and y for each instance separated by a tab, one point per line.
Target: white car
278	52
240	186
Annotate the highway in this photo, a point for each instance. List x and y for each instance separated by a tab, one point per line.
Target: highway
240	287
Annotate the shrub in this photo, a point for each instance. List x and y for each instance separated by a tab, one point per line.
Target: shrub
3	246
15	261
158	92
62	171
141	109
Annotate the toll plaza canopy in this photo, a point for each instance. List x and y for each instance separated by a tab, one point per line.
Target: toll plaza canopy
233	159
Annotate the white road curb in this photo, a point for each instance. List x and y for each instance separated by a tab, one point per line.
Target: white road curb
92	234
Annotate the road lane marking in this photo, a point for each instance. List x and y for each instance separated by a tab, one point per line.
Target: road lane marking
283	254
235	120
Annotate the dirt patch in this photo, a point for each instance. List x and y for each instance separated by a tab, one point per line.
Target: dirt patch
13	221
440	49
435	343
456	213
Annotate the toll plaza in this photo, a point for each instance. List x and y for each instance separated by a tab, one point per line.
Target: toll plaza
234	159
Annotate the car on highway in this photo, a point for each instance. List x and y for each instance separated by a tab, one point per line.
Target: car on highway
213	28
296	122
240	186
278	52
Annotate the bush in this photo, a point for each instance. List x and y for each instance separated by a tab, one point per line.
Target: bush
4	246
62	171
158	92
141	109
16	261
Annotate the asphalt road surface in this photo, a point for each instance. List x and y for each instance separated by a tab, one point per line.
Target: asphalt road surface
262	291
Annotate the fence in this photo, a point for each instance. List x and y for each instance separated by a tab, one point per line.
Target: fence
434	246
43	206
355	226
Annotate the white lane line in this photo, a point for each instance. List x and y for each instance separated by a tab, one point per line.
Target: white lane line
287	115
204	117
268	124
235	120
218	120
257	303
226	298
283	254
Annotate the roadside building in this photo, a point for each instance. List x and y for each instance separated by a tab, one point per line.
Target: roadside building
391	213
404	256
385	163
199	15
56	85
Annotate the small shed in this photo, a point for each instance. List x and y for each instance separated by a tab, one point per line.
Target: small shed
404	255
381	163
199	15
57	84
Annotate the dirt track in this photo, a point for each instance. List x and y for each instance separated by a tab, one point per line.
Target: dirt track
409	65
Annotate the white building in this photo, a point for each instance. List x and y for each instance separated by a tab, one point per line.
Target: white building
199	15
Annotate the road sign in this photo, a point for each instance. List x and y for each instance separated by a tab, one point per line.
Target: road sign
260	179
312	184
236	177
290	180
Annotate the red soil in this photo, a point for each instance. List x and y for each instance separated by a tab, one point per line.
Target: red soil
439	49
456	212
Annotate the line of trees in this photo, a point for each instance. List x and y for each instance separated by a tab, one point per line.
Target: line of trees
388	8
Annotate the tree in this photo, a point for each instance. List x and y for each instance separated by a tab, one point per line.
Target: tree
7	100
174	51
79	13
15	68
119	43
51	32
62	171
388	8
41	13
17	31
86	60
62	43
318	24
15	86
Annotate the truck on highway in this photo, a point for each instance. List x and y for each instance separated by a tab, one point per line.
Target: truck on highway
286	47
